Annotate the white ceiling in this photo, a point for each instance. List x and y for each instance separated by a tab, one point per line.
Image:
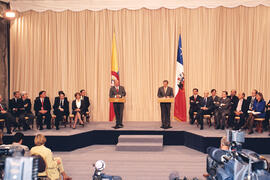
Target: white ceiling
95	5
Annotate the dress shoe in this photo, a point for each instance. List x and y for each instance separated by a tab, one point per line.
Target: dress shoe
48	127
41	128
121	125
82	124
201	128
162	127
168	127
9	132
57	128
14	130
269	134
250	132
116	127
222	128
217	127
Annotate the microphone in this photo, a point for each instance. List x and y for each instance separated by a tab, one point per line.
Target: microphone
174	176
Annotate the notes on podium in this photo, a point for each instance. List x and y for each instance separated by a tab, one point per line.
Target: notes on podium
117	100
165	100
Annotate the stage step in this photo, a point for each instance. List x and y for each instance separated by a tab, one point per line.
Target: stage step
140	143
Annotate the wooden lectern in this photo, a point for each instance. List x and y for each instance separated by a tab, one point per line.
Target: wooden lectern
117	100
165	100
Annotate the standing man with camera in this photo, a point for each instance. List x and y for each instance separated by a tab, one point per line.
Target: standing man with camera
118	91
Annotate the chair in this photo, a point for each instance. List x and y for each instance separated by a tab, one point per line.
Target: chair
208	118
71	118
42	167
259	126
53	120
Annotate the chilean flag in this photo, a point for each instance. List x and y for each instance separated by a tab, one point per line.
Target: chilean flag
180	112
114	73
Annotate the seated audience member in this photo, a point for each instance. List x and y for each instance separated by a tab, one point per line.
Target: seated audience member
42	107
194	102
224	144
251	99
54	165
222	111
240	111
258	111
234	101
206	105
61	108
215	99
16	108
9	119
85	99
1	137
27	110
78	109
267	117
18	141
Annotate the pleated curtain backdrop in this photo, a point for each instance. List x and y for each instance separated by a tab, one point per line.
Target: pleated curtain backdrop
223	48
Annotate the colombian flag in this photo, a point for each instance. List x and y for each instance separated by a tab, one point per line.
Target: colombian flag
114	73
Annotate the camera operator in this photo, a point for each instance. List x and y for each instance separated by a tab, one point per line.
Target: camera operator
18	142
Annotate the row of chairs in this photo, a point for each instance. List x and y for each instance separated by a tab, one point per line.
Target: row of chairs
86	118
209	119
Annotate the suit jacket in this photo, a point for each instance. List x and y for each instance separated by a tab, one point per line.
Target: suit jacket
27	108
208	103
244	107
86	102
82	108
3	106
215	101
249	101
46	105
267	105
65	106
234	102
14	104
162	93
259	107
195	104
121	92
225	105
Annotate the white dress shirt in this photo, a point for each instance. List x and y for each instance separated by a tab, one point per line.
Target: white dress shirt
78	103
239	105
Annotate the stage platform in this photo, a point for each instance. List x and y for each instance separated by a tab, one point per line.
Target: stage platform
102	133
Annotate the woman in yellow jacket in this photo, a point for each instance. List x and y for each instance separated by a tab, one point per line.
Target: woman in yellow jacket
54	165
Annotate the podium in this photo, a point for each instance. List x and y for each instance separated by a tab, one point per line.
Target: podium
117	100
165	100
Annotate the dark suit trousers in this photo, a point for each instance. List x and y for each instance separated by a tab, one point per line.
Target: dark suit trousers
238	123
59	117
20	116
266	121
200	115
220	117
9	120
191	114
165	114
118	110
47	119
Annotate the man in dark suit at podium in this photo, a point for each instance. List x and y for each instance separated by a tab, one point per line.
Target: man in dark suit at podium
118	91
165	92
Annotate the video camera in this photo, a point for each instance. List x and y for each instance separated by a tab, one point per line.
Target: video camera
13	164
98	175
236	163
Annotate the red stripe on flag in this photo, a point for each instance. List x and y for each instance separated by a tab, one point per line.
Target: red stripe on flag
180	111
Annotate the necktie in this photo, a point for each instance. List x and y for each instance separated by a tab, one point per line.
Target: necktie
62	103
205	101
194	98
1	107
117	90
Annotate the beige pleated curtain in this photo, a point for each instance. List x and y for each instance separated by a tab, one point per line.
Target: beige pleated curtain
223	48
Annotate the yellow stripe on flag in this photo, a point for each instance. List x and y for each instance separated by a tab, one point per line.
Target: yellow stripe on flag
114	55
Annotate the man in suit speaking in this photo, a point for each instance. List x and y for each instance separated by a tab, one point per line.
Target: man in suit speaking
118	91
165	92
